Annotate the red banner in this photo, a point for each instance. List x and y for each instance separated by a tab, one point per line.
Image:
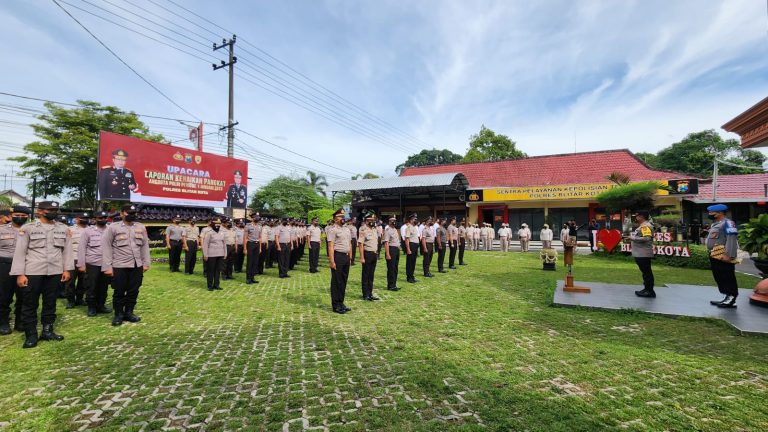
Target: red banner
132	169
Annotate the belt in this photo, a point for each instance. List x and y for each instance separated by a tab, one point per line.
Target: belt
6	260
176	240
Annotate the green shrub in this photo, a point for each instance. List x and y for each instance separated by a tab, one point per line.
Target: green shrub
633	196
322	215
753	236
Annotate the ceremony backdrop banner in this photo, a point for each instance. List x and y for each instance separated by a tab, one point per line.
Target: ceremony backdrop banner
132	169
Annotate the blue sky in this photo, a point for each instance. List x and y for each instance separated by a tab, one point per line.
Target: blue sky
552	75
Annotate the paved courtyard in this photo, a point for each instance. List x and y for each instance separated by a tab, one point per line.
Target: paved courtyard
480	348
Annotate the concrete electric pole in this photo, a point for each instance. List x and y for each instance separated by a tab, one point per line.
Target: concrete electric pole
231	117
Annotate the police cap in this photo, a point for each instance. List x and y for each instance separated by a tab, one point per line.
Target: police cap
129	208
721	208
339	212
120	154
48	205
21	209
100	214
5	211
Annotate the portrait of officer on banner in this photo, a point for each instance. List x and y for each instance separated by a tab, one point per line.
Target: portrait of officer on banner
237	195
116	182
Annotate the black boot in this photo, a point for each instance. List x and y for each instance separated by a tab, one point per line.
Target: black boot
79	301
118	319
31	340
18	326
49	335
649	293
5	329
726	299
92	312
103	309
70	303
731	304
130	317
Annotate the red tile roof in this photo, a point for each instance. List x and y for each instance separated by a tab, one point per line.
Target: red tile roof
743	186
562	169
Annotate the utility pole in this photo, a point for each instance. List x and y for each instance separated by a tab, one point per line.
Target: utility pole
34	196
714	183
231	117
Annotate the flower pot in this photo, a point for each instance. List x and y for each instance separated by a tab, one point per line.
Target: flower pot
761	265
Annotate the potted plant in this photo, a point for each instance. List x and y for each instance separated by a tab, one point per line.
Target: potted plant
753	238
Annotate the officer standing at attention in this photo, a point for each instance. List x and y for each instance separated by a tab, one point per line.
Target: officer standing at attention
42	260
126	257
440	241
214	254
411	240
642	251
283	245
352	227
723	246
252	248
313	237
264	251
369	244
116	182
294	258
453	242
11	221
230	239
270	251
504	234
239	237
174	235
427	246
203	232
463	238
392	253
189	242
74	289
340	246
89	261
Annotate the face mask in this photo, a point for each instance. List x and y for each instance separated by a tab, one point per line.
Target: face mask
371	223
101	222
711	217
130	217
216	228
83	222
19	220
50	215
285	223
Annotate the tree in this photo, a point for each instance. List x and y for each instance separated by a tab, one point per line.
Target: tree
64	157
696	153
365	176
284	196
648	158
487	145
429	157
6	201
317	181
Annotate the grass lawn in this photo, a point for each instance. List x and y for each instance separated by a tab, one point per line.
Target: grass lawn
477	349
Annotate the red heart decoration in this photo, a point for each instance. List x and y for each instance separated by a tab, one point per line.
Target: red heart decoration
609	238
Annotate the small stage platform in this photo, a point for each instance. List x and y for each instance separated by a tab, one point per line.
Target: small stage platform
672	299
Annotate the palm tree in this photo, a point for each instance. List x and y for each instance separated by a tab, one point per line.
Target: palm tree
317	182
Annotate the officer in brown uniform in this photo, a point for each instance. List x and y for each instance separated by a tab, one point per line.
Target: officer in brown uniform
427	247
11	221
352	227
411	241
441	242
126	257
368	244
463	237
42	260
453	243
392	252
313	237
214	254
283	245
89	262
252	248
174	236
340	246
230	239
74	288
189	243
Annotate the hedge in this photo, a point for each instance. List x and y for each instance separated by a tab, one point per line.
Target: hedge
699	258
322	215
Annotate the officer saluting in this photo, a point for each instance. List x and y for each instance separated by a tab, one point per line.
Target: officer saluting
237	194
42	259
126	257
116	182
723	246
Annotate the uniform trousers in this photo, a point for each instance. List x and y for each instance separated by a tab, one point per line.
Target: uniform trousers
462	245
271	254
504	243
524	242
126	282
214	267
314	255
8	290
393	266
427	260
354	251
294	258
475	243
229	262
283	258
39	286
339	277
451	255
174	255
190	257
369	268
251	266
410	261
441	257
644	264
74	288
97	284
262	258
725	276
240	258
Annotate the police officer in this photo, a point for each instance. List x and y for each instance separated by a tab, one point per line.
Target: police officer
252	248
313	237
126	257
392	252
271	252
463	238
189	243
11	221
237	194
723	246
453	243
214	254
294	258
352	227
42	260
642	251
264	240
368	244
239	230
283	246
411	240
174	236
116	182
203	232
427	246
441	240
230	239
340	247
89	262
74	288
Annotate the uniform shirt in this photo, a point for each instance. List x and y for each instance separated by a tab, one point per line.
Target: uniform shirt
42	250
8	234
369	237
229	236
314	234
327	229
90	251
352	231
476	233
115	183
463	232
204	232
341	238
642	241
403	230
191	233
174	232
524	233
253	232
76	231
412	233
564	234
505	232
724	233
214	244
266	234
392	236
283	234
274	233
240	234
294	230
428	235
453	233
442	233
546	234
125	246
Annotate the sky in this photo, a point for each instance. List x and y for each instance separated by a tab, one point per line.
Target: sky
350	86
